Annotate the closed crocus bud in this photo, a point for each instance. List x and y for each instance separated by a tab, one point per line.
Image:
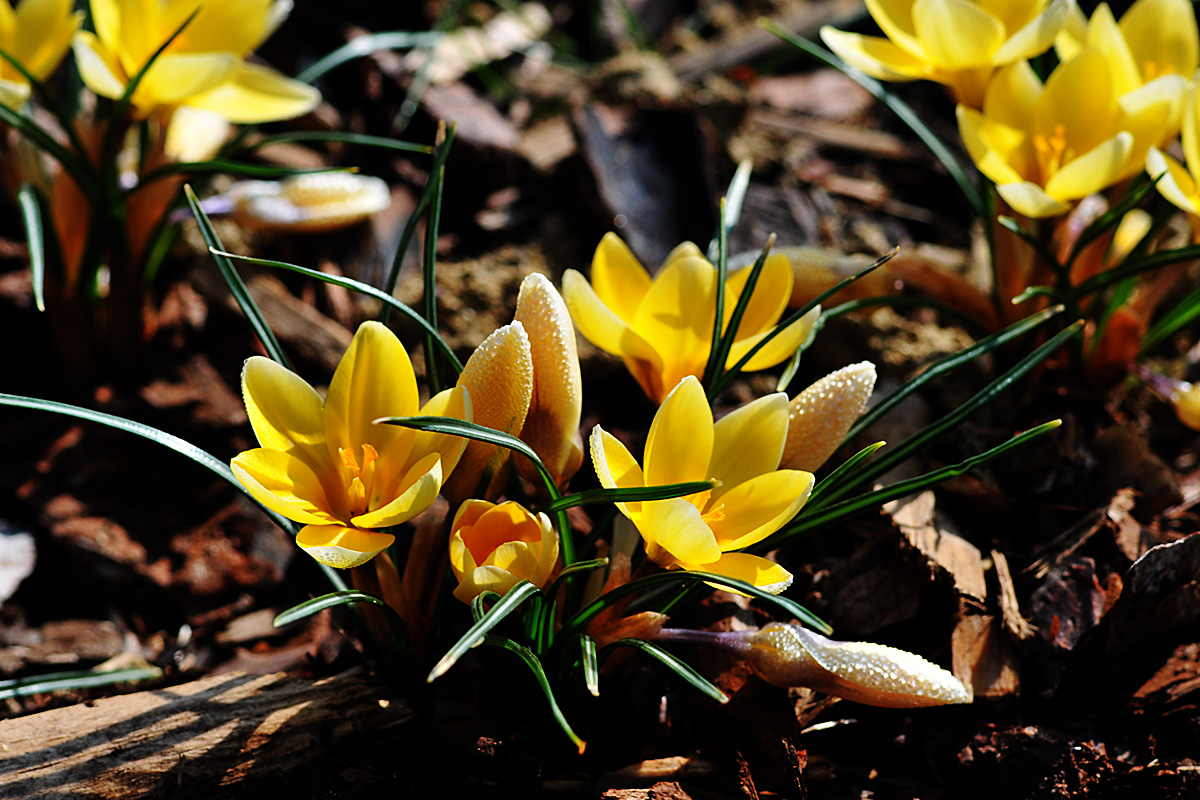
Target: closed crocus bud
1186	399
309	203
552	425
820	416
788	655
499	378
495	547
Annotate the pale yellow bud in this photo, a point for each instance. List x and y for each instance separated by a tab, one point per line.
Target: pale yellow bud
552	425
1186	400
317	202
499	378
820	416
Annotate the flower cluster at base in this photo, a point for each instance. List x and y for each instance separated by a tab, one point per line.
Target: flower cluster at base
495	547
329	466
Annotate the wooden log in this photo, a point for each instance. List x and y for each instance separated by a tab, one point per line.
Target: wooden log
184	741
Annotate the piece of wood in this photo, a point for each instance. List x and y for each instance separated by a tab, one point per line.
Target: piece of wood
184	741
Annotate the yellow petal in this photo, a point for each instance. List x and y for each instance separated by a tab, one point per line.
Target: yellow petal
600	325
615	467
989	145
677	316
99	72
780	347
176	77
484	579
956	34
1037	36
756	508
1106	38
1014	14
1031	200
618	277
1072	38
454	403
1096	169
284	410
771	295
341	547
46	28
195	135
140	32
374	379
1152	113
821	415
895	18
683	250
235	26
13	94
1078	103
748	441
552	424
755	570
676	526
106	19
679	446
876	56
419	487
1190	126
1012	96
285	484
1162	36
254	94
1176	184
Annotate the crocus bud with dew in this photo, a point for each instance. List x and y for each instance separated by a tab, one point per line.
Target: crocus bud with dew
820	416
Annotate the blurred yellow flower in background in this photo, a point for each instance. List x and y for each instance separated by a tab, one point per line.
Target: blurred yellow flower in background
328	465
37	34
495	547
958	43
662	327
203	68
750	499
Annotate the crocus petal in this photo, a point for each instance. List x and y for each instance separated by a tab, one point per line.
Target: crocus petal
771	294
359	394
1153	112
176	77
1078	102
874	55
677	316
342	547
99	71
484	579
615	467
755	570
1031	200
956	34
284	410
1190	126
1037	36
236	26
106	19
1106	38
46	28
756	508
454	403
285	484
13	94
1176	184
419	488
600	325
1099	167
254	94
679	446
895	19
1012	96
979	137
748	441
781	347
679	529
1162	36
683	250
618	277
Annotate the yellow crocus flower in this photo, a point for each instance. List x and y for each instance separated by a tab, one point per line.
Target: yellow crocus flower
1153	38
662	327
751	498
1047	146
328	465
495	547
1181	184
37	35
958	43
204	67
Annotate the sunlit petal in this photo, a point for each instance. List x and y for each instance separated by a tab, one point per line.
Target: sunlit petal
419	488
680	530
284	410
1092	171
679	446
677	316
956	34
1176	184
755	509
755	570
895	18
600	325
1031	200
771	295
285	484
1162	36
342	547
618	277
99	72
175	77
748	441
779	348
821	415
615	467
254	94
874	55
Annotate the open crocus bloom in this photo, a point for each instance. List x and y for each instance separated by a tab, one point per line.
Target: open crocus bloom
204	67
751	498
662	328
328	465
1179	184
1048	146
495	547
37	34
954	42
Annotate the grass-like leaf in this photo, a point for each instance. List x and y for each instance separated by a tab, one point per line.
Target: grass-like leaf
480	603
512	600
1135	266
574	569
673	663
71	162
902	451
236	285
364	46
318	604
225	165
35	237
75	679
901	109
788	373
357	286
715	365
949	363
591	665
633	495
49	102
849	465
340	137
735	196
1175	318
535	665
579	621
433	372
724	343
874	499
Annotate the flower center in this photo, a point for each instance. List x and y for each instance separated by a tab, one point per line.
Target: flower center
359	479
1052	151
700	501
